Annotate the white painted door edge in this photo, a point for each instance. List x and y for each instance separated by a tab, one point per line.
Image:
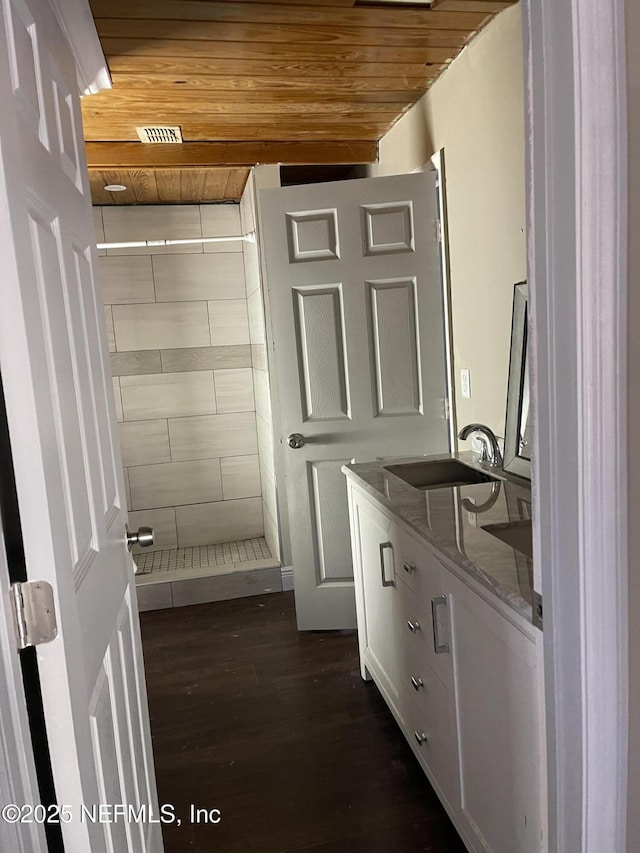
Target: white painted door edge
438	163
76	21
577	175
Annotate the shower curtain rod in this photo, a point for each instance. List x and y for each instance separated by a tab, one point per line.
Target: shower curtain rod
143	244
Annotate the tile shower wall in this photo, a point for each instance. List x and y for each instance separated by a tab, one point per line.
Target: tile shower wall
257	336
183	376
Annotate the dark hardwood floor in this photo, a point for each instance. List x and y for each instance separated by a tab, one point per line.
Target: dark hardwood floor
277	730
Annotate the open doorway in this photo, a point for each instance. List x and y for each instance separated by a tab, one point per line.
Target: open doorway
594	816
186	333
485	159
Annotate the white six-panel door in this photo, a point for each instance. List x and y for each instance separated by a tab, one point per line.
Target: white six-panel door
62	429
355	290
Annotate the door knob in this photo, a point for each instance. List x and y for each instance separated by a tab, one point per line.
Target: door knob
295	441
143	537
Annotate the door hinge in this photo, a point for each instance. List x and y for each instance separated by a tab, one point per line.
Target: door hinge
536	616
34	613
439	230
446	406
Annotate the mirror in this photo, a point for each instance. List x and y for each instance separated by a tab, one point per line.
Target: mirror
517	439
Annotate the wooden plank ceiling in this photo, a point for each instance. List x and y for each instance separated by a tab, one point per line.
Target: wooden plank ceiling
258	82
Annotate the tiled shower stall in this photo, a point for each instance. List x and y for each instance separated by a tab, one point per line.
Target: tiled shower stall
185	326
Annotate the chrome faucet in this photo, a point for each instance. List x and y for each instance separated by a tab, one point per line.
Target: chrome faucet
490	449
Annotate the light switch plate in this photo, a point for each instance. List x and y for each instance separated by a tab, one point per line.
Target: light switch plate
465	383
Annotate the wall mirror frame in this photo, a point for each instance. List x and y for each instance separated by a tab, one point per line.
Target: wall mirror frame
517	439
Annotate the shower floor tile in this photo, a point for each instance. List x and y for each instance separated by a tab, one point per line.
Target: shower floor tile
182	576
203	560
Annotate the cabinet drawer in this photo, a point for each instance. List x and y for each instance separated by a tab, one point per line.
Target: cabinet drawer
416	567
427	715
424	631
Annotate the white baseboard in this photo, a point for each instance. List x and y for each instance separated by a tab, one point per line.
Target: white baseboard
287	578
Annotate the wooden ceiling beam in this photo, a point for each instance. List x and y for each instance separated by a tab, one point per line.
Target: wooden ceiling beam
304	130
317	72
155	48
444	17
334	35
253	102
134	155
216	86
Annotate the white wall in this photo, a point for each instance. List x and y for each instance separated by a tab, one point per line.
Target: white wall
475	111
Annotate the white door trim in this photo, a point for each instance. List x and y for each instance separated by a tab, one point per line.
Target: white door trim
76	21
576	162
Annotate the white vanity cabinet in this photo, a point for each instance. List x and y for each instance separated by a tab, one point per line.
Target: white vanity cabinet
426	671
396	583
498	724
377	598
459	675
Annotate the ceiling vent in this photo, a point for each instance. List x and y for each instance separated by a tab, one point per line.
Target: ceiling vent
160	133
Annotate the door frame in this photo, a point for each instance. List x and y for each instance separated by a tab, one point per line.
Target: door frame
575	71
577	172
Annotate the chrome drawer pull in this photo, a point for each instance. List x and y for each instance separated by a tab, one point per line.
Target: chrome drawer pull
409	568
438	647
420	737
417	682
413	626
383	547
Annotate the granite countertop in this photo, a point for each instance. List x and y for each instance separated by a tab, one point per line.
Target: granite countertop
452	520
